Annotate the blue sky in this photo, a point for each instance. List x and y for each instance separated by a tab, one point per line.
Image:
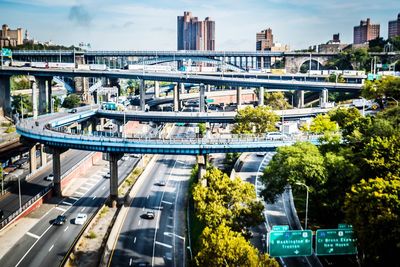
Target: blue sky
151	24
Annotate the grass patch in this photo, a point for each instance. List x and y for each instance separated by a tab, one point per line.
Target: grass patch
5	124
91	235
10	129
104	211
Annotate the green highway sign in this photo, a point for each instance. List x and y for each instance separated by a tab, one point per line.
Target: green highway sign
335	242
280	227
6	52
344	226
210	100
291	243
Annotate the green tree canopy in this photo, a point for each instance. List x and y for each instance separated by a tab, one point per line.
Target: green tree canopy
301	162
232	202
261	119
19	82
388	86
221	246
322	124
276	100
335	78
22	101
71	101
344	116
373	208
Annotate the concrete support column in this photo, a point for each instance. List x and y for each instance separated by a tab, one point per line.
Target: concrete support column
142	92
156	89
5	98
323	97
113	159
202	163
239	96
43	156
50	104
261	62
202	98
32	159
181	88
261	96
176	97
208	88
34	100
41	82
300	99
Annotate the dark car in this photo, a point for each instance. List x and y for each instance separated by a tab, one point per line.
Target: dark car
148	215
1	214
60	220
74	110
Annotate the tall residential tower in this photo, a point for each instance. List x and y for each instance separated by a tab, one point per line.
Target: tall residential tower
365	32
394	27
194	34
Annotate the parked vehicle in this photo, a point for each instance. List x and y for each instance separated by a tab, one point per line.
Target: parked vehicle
50	177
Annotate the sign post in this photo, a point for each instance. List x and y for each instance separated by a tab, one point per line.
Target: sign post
292	243
335	242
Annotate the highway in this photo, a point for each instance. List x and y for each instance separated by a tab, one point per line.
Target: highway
278	213
46	244
160	241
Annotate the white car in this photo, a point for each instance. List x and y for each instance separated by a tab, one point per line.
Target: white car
125	158
275	136
81	218
50	177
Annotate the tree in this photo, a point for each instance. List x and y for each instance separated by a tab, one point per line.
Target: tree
276	100
132	87
225	201
344	116
260	119
336	78
71	101
202	129
301	162
322	124
20	82
20	102
57	103
221	246
388	86
373	208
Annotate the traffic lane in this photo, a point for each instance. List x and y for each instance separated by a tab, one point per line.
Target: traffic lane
136	236
90	201
10	203
55	247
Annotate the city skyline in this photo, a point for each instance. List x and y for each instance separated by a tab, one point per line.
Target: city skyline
151	25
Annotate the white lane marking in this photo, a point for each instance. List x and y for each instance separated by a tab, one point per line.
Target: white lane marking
94	198
138	223
66	228
83	208
163	244
51	247
85	188
80	193
90	184
130	261
134	240
33	235
63	210
170	226
166	202
143	208
104	187
67	203
74	198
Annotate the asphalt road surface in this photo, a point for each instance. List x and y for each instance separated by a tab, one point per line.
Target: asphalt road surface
46	244
159	241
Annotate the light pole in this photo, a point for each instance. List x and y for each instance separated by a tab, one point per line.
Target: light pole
302	184
19	191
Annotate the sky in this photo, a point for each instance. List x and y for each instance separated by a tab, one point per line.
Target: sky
151	24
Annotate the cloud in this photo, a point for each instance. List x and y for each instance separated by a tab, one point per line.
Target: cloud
80	16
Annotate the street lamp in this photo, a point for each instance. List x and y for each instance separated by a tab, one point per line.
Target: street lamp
302	184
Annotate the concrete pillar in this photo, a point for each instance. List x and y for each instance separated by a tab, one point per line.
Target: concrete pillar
41	82
202	163
34	100
239	96
300	99
32	159
156	89
176	97
57	172
182	88
142	92
202	98
43	156
323	97
113	159
50	106
5	98
261	96
208	88
261	62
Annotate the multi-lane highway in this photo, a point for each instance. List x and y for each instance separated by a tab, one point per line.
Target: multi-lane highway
159	241
46	244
